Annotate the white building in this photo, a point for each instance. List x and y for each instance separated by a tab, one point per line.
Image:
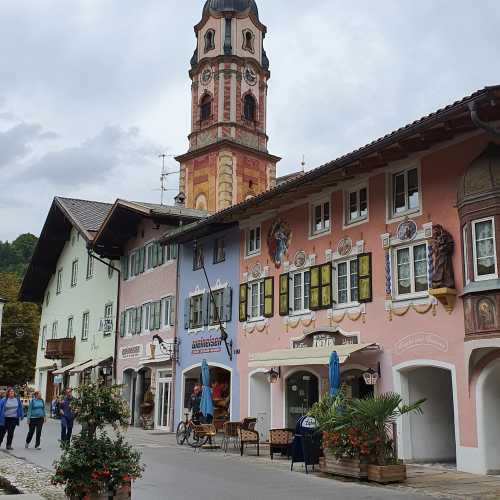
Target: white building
78	295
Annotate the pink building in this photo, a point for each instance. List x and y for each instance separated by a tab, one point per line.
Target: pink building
390	256
145	348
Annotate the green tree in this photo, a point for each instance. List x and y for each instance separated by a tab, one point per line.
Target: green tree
19	340
15	256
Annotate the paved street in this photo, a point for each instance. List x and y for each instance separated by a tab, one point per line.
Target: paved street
179	474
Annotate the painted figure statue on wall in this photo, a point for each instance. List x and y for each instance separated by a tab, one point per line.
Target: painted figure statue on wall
442	252
278	241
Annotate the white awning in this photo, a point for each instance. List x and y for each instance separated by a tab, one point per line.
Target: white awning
90	364
67	368
304	356
46	366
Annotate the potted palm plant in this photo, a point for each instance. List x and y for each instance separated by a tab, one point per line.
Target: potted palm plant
95	465
375	417
344	446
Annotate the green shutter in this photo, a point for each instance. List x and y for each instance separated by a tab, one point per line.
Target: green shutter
365	293
269	297
315	289
124	265
243	302
326	286
284	294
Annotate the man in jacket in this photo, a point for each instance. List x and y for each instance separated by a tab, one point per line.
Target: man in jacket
67	416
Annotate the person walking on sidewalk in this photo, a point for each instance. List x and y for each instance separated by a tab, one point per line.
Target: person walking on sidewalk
36	419
67	416
11	413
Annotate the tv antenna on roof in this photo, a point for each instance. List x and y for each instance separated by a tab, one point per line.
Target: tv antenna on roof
163	177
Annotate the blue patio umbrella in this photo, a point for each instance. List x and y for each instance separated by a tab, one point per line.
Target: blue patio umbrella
206	406
334	373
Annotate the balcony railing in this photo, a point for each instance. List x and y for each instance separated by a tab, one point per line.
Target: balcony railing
60	349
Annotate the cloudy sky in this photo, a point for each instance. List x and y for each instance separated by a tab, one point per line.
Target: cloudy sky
91	91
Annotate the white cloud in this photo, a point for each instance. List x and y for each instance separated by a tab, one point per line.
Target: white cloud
343	74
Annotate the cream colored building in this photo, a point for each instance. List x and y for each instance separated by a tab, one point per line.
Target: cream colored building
78	295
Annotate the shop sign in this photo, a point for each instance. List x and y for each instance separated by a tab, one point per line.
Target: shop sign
324	339
422	340
131	352
206	346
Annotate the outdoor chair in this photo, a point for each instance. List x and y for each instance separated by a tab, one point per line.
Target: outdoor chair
280	441
205	433
230	435
249	423
248	436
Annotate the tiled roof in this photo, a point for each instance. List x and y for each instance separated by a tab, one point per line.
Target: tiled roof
172	210
288	177
88	215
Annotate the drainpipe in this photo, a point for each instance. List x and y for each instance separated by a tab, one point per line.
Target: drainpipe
474	115
117	315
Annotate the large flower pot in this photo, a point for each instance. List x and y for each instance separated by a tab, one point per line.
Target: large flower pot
385	474
124	493
346	467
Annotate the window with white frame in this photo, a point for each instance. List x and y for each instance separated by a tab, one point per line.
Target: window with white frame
466	255
256	300
253	241
485	255
74	273
43	338
347	282
171	252
90	267
196	311
168	311
59	281
412	269
405	192
108	319
356	205
299	298
69	329
216	306
54	330
85	326
320	218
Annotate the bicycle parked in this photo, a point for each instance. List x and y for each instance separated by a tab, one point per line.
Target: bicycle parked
192	432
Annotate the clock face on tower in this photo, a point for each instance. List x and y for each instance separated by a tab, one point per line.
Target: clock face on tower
250	75
206	76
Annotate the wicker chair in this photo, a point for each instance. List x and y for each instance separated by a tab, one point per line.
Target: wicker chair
230	435
280	441
249	423
248	436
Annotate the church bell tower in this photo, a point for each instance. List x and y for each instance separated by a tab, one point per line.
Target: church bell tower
228	161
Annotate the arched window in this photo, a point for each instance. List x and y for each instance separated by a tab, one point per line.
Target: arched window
249	108
206	107
209	40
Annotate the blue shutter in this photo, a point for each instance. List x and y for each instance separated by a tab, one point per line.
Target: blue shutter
205	308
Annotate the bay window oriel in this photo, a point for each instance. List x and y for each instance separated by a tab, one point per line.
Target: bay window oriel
484	249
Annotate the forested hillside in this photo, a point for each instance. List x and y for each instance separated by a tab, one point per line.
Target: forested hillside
15	256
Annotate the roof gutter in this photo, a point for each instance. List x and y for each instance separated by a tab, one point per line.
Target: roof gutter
474	115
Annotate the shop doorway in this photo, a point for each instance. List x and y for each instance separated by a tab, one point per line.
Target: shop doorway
429	438
488	402
302	391
260	403
128	391
163	401
355	384
221	385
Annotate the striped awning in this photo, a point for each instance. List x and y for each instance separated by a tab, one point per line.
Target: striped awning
305	356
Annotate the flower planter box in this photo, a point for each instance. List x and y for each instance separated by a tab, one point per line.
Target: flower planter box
346	467
387	473
124	493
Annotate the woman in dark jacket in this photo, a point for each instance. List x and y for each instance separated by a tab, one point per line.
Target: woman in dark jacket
11	413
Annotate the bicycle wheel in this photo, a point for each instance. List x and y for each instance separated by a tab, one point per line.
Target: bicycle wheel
181	433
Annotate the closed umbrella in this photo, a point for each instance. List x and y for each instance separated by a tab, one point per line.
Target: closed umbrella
334	373
206	406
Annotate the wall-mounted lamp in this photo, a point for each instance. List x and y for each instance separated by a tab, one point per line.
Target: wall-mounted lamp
273	376
371	377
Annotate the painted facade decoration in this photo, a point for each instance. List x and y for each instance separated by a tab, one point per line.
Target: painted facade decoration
278	242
